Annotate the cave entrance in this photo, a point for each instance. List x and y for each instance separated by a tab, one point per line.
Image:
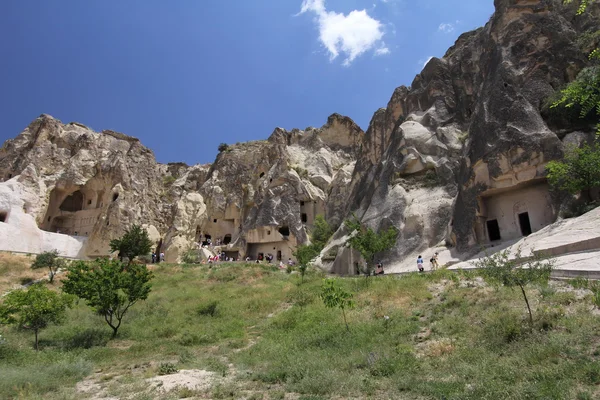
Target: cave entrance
73	202
493	230
3	216
227	239
525	224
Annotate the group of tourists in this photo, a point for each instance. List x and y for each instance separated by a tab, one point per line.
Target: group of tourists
433	262
221	257
156	258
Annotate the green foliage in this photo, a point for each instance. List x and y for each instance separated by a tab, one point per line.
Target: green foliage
500	269
109	287
302	173
135	242
223	147
304	254
584	92
579	170
191	256
334	296
167	369
168	180
50	260
583	5
321	232
34	308
369	243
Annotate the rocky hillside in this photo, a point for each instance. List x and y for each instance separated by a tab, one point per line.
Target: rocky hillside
451	158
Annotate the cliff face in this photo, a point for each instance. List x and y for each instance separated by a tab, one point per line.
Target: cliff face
466	143
257	197
456	159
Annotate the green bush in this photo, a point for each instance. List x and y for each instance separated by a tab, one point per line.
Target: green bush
167	369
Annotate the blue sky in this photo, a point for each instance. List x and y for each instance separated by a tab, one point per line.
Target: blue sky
186	75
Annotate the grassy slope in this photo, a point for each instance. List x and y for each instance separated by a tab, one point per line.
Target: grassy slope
447	335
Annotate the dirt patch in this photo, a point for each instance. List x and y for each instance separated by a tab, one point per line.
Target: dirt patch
193	379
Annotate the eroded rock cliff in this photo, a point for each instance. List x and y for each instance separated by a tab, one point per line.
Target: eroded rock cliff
455	160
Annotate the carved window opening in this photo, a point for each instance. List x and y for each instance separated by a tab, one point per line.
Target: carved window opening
261	175
3	216
304	218
115	196
301	203
285	231
215	221
268	232
227	239
278	255
89	202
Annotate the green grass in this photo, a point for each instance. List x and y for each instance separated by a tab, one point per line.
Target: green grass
263	333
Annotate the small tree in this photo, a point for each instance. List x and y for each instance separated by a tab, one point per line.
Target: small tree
34	308
500	269
304	254
578	172
368	243
108	287
335	296
50	260
135	242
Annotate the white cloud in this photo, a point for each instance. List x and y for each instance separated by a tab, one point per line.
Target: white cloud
422	63
446	27
351	35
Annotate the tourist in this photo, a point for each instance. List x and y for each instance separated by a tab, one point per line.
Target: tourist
379	269
420	264
281	265
162	256
153	257
434	261
290	262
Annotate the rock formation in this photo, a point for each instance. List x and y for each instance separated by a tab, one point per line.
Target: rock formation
457	159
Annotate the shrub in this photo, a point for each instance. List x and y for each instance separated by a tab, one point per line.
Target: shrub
191	256
167	369
223	147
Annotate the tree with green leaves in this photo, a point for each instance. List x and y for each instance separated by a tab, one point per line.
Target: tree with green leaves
109	287
135	242
304	254
369	243
579	171
334	296
501	269
34	308
319	236
50	260
584	91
